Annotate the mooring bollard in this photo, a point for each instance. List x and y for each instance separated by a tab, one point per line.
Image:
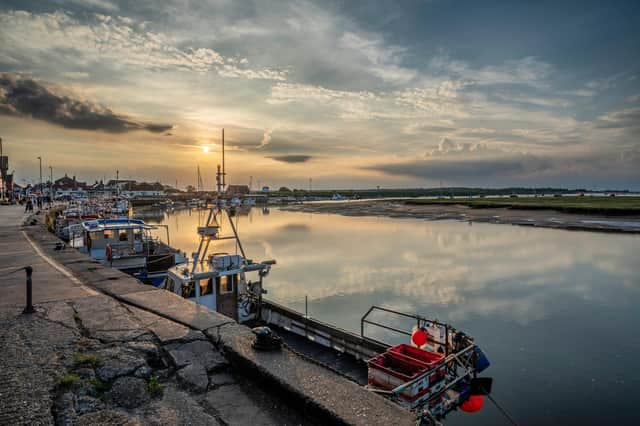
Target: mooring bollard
29	308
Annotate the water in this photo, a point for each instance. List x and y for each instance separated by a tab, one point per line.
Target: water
557	312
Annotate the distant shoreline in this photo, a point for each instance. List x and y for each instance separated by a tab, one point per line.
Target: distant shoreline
536	216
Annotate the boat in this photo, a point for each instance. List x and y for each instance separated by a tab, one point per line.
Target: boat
337	197
194	203
431	374
127	245
219	281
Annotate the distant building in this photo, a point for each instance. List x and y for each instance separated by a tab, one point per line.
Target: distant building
99	189
143	189
69	186
6	179
238	189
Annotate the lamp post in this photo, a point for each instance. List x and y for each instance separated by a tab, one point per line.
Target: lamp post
1	172
40	199
50	186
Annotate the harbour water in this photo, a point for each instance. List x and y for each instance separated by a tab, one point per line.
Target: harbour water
556	311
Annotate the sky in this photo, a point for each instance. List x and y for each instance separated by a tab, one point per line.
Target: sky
350	94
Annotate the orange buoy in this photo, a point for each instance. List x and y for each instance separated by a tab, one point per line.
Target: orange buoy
473	404
419	337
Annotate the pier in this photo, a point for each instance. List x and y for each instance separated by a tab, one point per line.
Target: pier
101	347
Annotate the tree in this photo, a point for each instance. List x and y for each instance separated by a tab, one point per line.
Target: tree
191	188
284	189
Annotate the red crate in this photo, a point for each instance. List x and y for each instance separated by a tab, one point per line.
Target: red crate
429	358
398	365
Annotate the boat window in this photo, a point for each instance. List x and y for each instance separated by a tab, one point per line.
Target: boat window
206	287
226	283
137	234
122	235
168	284
188	290
108	233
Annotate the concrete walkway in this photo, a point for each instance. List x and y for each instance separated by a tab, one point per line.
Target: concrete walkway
132	332
50	281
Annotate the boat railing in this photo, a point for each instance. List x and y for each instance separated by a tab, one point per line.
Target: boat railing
420	322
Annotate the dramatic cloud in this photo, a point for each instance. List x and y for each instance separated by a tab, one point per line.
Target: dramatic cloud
266	138
28	98
292	158
628	118
324	89
492	167
119	39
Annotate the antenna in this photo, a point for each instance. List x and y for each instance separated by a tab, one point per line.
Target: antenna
224	183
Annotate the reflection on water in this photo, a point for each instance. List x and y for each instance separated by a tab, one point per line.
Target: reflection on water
556	311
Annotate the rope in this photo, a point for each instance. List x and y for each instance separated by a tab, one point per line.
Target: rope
503	411
13	272
161	258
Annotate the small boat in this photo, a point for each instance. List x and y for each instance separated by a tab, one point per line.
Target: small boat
219	281
126	244
337	197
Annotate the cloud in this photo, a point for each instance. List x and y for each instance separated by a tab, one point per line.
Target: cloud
23	96
627	118
100	4
529	71
466	169
292	158
498	168
266	138
76	75
115	40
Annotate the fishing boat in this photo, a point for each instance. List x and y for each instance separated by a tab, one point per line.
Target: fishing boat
127	245
431	373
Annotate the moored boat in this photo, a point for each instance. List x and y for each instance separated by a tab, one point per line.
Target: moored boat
128	245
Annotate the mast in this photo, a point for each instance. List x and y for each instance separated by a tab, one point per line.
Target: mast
224	183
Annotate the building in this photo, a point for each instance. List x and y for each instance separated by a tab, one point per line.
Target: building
69	187
143	189
237	189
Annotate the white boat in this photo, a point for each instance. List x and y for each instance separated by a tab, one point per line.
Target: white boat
126	244
220	281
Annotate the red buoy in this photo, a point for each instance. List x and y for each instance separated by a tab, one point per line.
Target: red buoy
419	337
473	404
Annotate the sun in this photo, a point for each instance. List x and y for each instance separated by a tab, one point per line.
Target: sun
205	149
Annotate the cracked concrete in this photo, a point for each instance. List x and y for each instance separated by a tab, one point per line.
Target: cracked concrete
139	334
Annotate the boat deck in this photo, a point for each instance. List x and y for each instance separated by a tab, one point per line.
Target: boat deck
342	363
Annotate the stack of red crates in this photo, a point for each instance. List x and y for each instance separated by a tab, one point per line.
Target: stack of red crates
403	363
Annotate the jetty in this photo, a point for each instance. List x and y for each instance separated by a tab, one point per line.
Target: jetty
96	346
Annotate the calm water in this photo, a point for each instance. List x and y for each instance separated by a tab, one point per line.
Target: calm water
557	312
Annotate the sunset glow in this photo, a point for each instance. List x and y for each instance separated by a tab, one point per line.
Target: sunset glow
397	95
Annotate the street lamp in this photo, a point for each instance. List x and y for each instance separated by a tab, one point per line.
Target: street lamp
50	186
40	199
1	172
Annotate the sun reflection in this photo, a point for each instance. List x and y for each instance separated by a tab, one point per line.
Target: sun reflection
205	149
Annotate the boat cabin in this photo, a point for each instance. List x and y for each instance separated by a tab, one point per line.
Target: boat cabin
122	243
221	284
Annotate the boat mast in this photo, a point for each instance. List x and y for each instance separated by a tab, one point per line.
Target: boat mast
224	183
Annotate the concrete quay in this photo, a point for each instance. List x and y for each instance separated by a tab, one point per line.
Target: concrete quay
103	348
